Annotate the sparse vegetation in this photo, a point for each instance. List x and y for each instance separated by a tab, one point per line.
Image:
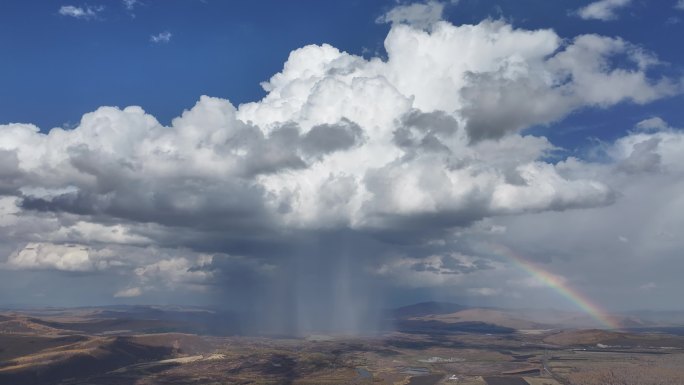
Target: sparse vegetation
37	351
665	370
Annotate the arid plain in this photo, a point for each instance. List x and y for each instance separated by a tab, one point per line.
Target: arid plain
429	343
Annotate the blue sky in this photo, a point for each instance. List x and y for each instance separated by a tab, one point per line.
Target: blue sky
395	149
58	67
69	66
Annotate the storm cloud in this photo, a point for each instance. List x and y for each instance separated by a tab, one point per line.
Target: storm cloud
352	179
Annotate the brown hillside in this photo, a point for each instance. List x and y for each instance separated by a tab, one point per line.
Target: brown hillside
490	316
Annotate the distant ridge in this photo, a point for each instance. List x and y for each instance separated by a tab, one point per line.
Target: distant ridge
490	316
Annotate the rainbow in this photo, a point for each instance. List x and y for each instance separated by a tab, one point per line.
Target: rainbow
559	285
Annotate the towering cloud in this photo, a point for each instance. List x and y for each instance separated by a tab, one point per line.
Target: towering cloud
347	169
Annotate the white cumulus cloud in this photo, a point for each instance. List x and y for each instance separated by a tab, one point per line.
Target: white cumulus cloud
343	142
85	13
54	256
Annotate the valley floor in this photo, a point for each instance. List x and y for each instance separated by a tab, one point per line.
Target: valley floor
35	350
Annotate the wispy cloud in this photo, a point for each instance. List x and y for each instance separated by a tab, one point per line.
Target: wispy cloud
680	5
648	286
162	37
128	293
602	10
85	13
652	124
421	15
130	4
